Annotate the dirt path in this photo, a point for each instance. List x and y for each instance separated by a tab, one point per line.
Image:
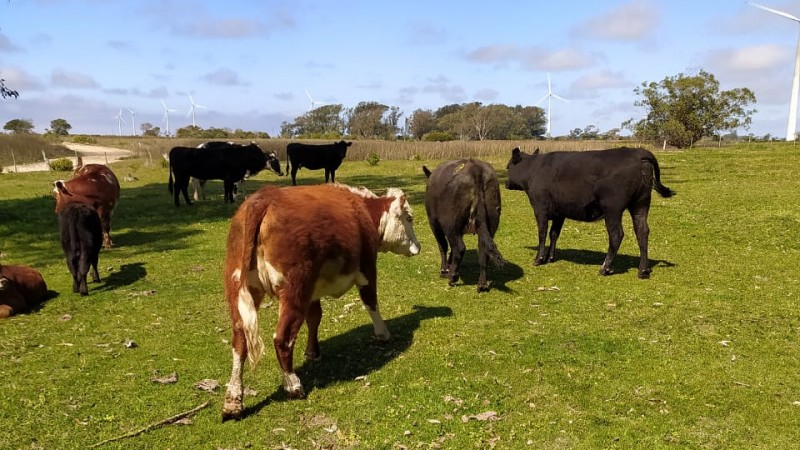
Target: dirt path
91	154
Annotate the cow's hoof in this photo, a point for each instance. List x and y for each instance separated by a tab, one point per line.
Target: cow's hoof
444	273
313	356
292	386
605	272
483	288
383	337
539	261
231	411
644	274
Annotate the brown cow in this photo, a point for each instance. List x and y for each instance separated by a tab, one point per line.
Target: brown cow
94	185
300	244
21	288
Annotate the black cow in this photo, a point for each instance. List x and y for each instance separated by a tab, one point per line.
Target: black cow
81	240
464	197
199	186
229	164
328	157
588	186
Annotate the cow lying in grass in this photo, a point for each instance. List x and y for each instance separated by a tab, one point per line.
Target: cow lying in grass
300	244
21	288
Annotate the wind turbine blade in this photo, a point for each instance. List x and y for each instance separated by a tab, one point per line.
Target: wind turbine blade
541	99
309	96
559	97
549	88
774	11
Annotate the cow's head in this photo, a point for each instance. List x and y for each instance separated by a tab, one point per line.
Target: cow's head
397	226
4	282
518	171
273	163
341	148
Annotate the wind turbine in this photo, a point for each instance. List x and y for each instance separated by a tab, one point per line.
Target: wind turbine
119	120
313	104
792	126
193	108
133	121
166	115
549	96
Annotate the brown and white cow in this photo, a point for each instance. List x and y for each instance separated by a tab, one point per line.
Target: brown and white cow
94	185
300	244
21	288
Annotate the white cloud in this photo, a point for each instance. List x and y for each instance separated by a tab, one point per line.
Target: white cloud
63	78
533	58
633	21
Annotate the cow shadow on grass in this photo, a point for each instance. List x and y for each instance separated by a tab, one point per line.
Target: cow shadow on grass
497	277
126	275
622	263
356	353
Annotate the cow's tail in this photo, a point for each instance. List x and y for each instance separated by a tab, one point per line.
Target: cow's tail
660	188
240	259
486	243
169	185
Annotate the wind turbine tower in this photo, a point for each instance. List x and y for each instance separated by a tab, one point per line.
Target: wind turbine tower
133	121
791	128
549	96
119	120
166	115
193	108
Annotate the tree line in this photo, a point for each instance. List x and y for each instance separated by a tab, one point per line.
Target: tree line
680	111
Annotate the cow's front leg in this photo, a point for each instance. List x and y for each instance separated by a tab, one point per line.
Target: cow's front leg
642	230
290	320
313	318
615	235
369	296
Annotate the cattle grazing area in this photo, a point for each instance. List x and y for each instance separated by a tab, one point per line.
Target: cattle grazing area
703	354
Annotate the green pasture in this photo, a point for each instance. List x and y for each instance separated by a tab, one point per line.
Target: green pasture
705	354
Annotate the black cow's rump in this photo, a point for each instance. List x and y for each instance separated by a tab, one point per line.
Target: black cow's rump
81	240
588	186
463	196
328	157
229	164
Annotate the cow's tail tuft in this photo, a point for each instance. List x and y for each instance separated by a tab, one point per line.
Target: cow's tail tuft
169	185
242	241
660	188
486	243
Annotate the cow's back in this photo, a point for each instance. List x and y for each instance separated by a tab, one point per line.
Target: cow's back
451	194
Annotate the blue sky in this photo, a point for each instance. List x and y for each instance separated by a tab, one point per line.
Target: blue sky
250	62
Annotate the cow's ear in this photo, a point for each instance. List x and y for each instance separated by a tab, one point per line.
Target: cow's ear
516	155
426	171
535	152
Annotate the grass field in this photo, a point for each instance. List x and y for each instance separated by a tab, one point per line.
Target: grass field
704	354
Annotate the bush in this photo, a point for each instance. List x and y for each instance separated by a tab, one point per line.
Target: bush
84	140
61	165
373	158
438	136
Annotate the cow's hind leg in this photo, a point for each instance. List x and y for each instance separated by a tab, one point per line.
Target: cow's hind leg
244	318
313	318
457	249
290	319
294	175
441	241
642	230
615	235
541	226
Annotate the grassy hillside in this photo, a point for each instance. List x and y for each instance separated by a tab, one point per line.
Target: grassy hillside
702	355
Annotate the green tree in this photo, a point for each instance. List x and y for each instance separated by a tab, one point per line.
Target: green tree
422	121
19	126
322	122
683	109
372	120
60	127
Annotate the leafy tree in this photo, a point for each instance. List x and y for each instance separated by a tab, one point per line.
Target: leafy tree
422	122
60	127
6	92
684	109
373	120
19	126
324	121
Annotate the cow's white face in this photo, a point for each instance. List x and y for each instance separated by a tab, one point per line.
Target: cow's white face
4	283
398	226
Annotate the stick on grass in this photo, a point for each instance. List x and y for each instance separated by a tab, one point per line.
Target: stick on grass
153	426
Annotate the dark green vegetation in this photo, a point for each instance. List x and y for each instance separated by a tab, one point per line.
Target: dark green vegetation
703	355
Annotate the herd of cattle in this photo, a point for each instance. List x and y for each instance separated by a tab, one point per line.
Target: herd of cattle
336	231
